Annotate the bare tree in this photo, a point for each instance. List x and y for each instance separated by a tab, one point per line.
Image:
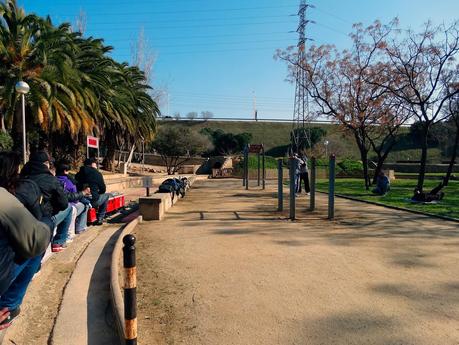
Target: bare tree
338	82
206	115
81	22
177	116
192	115
422	68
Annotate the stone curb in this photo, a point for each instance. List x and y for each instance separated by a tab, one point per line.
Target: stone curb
430	215
115	288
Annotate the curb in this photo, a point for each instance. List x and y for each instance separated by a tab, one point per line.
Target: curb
115	288
397	208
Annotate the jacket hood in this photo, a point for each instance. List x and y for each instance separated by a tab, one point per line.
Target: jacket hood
34	168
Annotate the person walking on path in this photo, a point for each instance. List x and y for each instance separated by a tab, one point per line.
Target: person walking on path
78	200
304	175
89	176
55	206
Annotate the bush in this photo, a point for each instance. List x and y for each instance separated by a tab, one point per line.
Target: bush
351	166
6	142
270	163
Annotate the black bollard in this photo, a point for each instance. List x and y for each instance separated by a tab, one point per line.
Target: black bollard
331	188
312	199
280	186
130	290
259	170
292	188
264	169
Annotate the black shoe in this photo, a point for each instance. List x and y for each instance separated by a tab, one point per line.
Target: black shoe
98	223
13	314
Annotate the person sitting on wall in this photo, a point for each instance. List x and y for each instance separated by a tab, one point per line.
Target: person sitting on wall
382	184
89	176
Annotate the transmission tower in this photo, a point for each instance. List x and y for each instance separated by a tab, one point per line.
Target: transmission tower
301	110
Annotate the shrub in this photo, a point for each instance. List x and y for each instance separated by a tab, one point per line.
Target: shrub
6	142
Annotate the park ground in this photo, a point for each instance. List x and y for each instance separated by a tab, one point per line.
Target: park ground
226	268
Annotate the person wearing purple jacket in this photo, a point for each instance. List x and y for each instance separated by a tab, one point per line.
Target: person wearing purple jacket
77	200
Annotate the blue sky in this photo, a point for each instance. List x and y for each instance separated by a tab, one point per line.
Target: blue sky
214	55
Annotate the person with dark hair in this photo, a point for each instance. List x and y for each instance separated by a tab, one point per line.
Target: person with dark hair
90	176
23	240
304	175
55	206
382	184
78	200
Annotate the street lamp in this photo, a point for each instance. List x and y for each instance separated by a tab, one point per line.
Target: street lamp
23	88
326	142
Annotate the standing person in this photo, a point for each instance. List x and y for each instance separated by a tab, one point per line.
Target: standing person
23	239
304	175
90	176
78	200
296	170
55	206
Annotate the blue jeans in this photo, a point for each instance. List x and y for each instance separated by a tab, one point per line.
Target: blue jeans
101	205
81	222
22	277
62	220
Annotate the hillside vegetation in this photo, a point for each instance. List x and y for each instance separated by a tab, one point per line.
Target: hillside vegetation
276	136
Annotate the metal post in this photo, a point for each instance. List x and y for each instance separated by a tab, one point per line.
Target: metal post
292	188
247	169
312	199
24	140
243	170
148	191
130	290
264	167
331	188
258	170
280	186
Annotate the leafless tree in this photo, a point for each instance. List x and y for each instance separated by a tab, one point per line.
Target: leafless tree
419	71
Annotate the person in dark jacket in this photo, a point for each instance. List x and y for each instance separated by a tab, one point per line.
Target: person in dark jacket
89	176
23	239
78	200
55	206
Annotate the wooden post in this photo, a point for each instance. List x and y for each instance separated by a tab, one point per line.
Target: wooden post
292	188
331	188
312	199
259	170
264	166
130	290
280	186
247	169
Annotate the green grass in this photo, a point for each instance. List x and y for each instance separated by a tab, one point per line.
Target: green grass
270	163
401	191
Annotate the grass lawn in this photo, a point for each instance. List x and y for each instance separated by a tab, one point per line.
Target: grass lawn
401	191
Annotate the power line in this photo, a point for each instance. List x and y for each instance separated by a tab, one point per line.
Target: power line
124	13
198	26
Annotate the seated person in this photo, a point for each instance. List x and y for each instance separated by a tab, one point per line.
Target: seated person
55	206
382	184
78	200
434	195
89	176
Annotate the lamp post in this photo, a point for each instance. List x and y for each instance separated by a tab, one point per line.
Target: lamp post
23	88
326	142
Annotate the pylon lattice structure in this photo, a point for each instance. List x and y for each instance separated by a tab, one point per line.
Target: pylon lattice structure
301	116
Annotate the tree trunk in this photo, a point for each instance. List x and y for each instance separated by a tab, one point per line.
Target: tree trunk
422	168
449	172
109	159
364	158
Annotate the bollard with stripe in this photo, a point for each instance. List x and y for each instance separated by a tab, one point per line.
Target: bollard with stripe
130	290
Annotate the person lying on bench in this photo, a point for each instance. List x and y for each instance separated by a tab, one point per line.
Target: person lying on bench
382	184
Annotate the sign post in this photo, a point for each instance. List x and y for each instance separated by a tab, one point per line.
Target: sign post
93	143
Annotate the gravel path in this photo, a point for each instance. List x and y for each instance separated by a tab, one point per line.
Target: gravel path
225	268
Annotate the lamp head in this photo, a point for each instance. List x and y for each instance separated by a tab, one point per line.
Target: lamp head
22	87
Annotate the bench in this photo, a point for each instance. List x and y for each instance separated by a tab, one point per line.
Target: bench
114	204
154	207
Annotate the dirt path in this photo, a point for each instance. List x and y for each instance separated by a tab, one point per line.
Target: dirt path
223	268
